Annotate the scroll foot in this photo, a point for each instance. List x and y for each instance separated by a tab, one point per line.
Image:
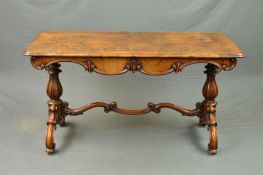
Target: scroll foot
53	113
212	146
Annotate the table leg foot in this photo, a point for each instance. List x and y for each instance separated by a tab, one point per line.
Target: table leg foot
212	151
50	144
212	127
53	107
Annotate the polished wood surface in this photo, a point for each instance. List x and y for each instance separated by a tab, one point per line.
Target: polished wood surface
149	66
151	107
210	92
54	91
115	53
134	44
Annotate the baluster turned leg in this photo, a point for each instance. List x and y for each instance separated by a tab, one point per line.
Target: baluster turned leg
210	92
54	91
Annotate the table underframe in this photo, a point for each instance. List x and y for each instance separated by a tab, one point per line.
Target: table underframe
204	110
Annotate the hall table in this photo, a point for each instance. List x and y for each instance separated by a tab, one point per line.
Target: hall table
150	53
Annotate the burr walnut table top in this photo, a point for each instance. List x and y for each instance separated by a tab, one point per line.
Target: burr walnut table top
134	44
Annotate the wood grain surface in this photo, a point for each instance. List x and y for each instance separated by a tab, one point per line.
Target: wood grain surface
134	44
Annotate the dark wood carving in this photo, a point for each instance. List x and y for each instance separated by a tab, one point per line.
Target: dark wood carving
227	67
151	107
206	110
210	92
134	65
55	116
150	53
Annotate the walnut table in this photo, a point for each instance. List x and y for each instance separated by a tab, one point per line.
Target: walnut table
150	53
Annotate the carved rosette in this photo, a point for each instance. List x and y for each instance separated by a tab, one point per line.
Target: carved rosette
232	64
133	65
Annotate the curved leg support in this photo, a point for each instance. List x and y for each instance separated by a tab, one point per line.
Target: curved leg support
212	146
210	92
54	91
50	144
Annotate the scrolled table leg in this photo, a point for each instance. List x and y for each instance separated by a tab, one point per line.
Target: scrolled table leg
54	91
210	92
212	127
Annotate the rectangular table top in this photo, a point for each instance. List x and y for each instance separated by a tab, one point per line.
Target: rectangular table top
134	44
